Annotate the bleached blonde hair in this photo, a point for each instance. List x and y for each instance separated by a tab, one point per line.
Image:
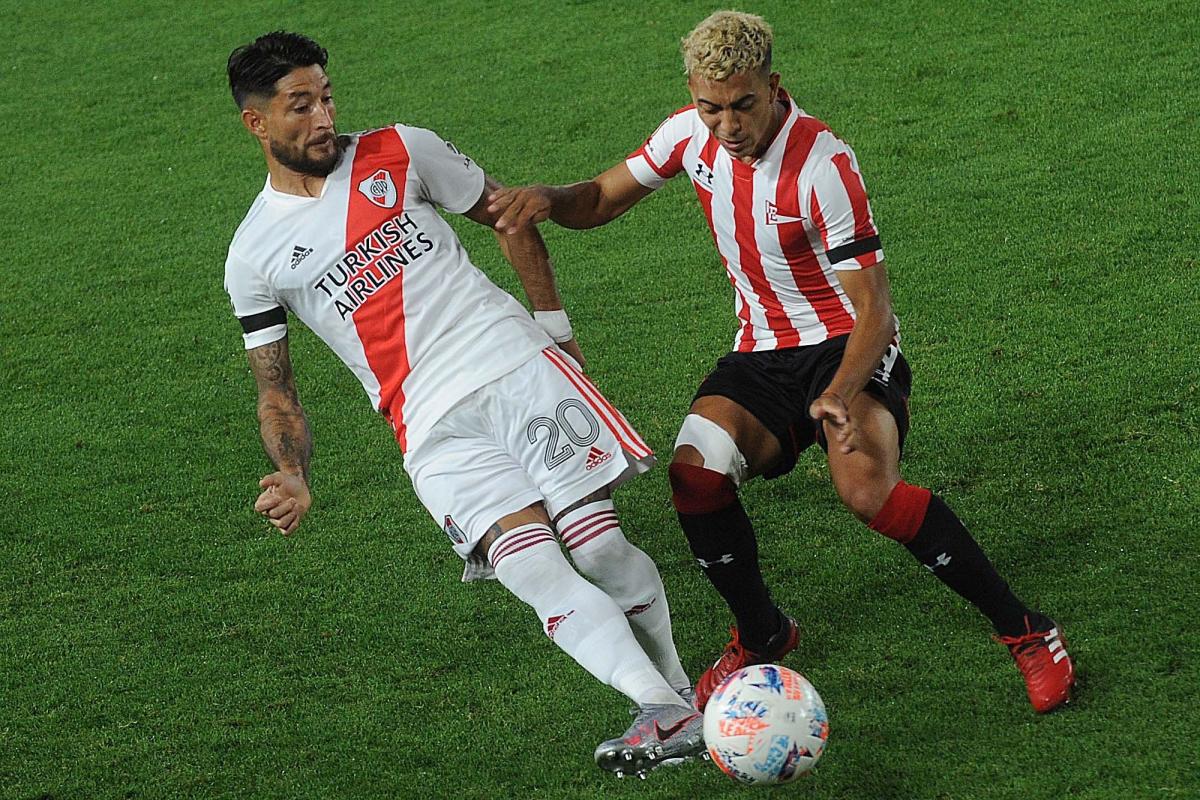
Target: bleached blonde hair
726	43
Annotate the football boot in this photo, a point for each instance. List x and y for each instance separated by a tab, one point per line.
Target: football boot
1042	658
736	656
659	733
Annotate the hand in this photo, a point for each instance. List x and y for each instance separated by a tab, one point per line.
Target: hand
519	206
284	501
831	408
571	348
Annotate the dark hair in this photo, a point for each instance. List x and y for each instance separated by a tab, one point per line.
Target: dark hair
254	68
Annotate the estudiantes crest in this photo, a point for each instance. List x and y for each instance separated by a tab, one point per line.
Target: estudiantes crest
379	188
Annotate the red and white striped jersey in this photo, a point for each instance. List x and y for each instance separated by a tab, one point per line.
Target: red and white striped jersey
783	225
376	272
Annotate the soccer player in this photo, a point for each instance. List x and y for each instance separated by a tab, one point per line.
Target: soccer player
817	354
507	443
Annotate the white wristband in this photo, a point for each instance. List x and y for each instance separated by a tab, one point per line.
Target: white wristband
556	324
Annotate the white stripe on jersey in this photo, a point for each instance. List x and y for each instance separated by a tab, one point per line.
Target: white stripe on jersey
774	222
384	281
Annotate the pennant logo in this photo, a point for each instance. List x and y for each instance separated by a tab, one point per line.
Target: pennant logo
775	218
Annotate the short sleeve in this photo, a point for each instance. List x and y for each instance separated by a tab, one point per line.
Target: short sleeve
839	208
661	157
262	315
448	177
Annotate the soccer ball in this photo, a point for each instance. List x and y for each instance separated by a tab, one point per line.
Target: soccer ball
765	724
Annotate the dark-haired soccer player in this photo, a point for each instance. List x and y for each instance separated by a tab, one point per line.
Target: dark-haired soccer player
817	355
507	444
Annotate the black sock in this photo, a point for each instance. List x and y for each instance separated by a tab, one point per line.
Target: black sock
945	547
724	545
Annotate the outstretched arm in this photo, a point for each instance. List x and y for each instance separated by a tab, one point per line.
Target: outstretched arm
285	437
587	204
524	249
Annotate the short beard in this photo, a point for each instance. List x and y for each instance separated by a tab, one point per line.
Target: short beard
298	162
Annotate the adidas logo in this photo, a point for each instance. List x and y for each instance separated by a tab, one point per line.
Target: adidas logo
595	458
299	254
640	608
1055	645
553	623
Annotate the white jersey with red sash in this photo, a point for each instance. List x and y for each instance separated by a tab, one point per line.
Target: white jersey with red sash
783	225
375	271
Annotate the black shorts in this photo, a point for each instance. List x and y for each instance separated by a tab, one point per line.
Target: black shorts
778	386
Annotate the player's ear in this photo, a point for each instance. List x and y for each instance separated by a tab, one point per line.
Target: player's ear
773	81
255	121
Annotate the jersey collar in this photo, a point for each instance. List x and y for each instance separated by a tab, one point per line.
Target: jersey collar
276	196
283	198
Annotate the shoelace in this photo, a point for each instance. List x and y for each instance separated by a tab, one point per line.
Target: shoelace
1025	649
733	652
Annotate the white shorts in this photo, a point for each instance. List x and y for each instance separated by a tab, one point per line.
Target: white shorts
540	434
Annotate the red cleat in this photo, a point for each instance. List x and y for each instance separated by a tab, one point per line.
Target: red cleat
1042	658
736	656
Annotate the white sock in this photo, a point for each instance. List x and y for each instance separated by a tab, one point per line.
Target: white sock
600	550
578	617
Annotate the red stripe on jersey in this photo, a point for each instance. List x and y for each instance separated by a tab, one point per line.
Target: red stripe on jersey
626	435
708	155
863	229
673	164
750	260
380	319
806	270
821	294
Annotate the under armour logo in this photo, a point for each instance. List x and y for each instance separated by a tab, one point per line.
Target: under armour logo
726	558
942	561
703	174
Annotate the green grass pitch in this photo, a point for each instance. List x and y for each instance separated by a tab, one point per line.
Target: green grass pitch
1033	168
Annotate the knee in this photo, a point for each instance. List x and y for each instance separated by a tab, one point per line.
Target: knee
597	555
704	489
618	567
696	490
864	500
903	513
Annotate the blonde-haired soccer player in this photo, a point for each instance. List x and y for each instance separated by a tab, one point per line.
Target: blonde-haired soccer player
817	355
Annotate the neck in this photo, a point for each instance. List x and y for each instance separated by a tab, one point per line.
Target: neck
288	181
778	112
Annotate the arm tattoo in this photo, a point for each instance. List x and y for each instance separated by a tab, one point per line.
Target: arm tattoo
282	425
269	362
